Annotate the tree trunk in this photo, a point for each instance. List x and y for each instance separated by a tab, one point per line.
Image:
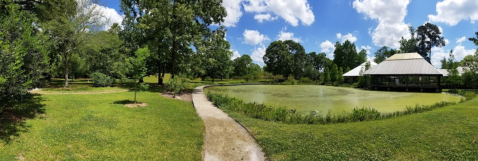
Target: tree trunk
135	90
66	78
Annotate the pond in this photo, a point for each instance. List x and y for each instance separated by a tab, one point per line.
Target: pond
338	100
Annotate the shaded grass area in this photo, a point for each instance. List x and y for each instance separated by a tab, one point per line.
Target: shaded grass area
100	127
449	133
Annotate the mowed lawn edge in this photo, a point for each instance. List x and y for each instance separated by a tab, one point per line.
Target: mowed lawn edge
448	133
100	127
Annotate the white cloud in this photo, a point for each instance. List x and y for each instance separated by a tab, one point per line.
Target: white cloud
328	48
367	48
349	37
390	16
460	40
291	11
447	41
258	53
253	37
110	16
459	51
283	35
453	11
266	17
235	54
234	13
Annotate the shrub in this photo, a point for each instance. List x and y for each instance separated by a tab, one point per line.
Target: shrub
101	80
282	114
176	85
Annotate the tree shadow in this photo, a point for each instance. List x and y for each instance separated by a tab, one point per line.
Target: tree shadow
122	102
14	115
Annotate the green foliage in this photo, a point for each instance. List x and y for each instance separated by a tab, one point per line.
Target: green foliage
101	80
340	77
23	57
103	52
176	85
285	58
290	81
137	69
408	46
383	53
345	55
428	36
326	76
334	73
311	72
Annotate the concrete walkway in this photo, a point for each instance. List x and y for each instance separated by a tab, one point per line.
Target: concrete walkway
224	138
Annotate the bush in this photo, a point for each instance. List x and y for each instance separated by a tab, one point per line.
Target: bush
101	80
290	81
176	85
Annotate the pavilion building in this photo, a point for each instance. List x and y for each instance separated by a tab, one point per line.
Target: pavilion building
409	71
352	75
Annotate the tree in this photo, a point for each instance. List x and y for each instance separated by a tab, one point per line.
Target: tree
217	54
334	73
137	69
383	53
285	58
449	63
410	45
69	30
345	55
103	51
241	65
254	72
23	57
428	36
319	61
311	72
340	77
326	77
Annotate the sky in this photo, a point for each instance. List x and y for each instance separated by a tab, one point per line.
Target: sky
318	24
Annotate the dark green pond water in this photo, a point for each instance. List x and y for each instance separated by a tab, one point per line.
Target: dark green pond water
305	98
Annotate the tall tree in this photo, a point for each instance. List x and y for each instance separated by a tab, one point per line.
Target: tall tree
217	53
334	73
285	58
428	36
70	30
383	53
319	61
410	45
241	65
345	55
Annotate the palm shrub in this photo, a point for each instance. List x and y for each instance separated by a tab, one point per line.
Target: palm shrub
176	85
101	80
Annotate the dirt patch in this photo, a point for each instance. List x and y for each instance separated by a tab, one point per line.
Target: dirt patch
135	105
185	96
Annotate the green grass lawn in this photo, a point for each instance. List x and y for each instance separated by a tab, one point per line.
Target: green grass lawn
449	133
100	127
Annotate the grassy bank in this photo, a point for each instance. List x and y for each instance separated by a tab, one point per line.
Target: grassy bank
448	133
100	127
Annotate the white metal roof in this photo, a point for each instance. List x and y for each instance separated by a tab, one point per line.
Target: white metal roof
356	71
404	64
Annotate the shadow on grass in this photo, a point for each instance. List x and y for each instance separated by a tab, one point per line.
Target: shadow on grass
122	102
13	116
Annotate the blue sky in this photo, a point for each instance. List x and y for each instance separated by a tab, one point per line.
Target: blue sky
253	24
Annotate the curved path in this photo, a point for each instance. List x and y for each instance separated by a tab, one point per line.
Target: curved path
224	138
